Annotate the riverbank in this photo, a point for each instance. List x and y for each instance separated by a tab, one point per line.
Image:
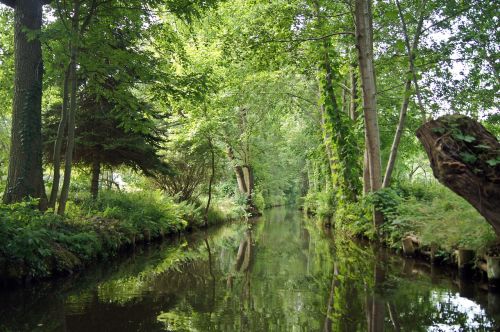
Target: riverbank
38	245
426	220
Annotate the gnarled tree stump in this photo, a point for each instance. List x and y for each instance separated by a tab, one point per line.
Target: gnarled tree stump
465	157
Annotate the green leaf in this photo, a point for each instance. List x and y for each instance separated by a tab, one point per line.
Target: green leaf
493	162
468	157
463	137
439	130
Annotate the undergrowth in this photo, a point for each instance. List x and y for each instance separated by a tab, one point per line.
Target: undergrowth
38	244
431	212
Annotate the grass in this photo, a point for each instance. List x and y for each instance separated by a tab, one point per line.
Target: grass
435	215
430	211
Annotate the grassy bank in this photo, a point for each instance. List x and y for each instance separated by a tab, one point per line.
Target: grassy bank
36	245
436	216
427	211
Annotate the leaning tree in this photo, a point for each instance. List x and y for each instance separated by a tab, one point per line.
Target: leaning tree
465	157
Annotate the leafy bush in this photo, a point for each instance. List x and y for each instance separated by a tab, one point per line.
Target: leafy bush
320	203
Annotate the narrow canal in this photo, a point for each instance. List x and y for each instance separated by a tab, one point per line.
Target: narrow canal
278	273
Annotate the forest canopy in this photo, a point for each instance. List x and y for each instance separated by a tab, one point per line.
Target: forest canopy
260	103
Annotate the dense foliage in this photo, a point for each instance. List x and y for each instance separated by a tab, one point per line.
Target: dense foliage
38	244
244	105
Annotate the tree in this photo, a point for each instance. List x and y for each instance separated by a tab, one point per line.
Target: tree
101	139
364	36
465	157
25	175
411	49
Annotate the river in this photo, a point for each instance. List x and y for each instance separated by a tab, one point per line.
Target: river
281	272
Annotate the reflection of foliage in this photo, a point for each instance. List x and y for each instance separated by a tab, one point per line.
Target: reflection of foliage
300	277
176	321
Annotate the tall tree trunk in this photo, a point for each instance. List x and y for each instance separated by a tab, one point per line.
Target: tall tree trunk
75	40
59	140
364	38
345	106
240	178
96	172
25	174
410	52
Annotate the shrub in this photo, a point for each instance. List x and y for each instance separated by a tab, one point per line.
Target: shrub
320	203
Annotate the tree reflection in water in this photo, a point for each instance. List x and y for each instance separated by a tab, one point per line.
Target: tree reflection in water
279	273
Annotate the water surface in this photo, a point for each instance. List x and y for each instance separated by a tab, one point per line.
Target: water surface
278	273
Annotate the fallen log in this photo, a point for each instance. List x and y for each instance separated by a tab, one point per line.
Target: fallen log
465	157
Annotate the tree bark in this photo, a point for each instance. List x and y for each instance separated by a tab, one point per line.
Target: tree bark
75	40
25	174
364	45
367	187
59	140
244	177
94	184
465	157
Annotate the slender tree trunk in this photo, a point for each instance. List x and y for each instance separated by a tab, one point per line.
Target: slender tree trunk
410	51
240	178
326	139
244	177
25	174
59	140
397	135
367	187
96	172
345	106
212	177
364	37
353	114
249	181
72	110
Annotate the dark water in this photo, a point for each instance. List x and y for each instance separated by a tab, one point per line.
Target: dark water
280	273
